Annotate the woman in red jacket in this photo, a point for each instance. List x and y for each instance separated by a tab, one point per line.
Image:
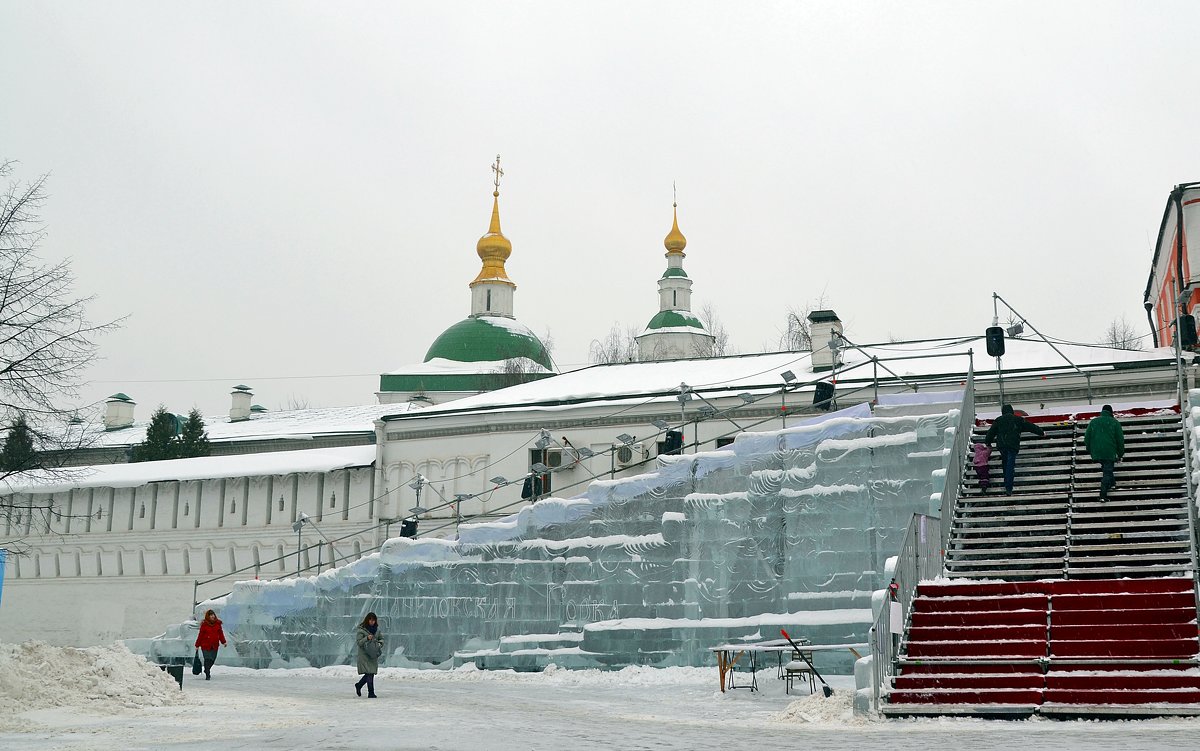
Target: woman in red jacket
209	639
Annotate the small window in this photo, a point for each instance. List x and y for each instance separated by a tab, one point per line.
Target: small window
488	304
675	297
723	442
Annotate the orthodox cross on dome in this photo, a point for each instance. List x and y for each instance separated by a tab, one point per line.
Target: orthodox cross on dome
499	173
674	194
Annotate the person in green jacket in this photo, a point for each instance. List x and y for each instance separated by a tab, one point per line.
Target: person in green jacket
1105	441
369	640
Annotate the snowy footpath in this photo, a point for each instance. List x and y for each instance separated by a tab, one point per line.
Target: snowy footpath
678	708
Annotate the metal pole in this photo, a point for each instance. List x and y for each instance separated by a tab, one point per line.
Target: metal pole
1191	494
1000	380
299	530
875	376
319	549
195	593
783	400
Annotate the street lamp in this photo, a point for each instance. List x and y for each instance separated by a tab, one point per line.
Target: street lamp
298	528
787	376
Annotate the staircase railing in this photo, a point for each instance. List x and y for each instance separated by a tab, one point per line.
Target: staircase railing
955	466
1185	414
921	557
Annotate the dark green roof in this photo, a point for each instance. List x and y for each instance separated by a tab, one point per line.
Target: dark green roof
120	397
674	272
432	382
667	319
488	339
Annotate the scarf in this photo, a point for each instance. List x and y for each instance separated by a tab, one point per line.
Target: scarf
373	628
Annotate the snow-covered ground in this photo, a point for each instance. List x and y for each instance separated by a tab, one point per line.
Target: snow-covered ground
466	709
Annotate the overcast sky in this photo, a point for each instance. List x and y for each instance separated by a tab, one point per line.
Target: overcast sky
274	190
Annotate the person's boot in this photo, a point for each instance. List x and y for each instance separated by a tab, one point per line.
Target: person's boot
358	688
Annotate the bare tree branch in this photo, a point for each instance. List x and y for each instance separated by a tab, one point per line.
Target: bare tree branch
46	342
1120	334
619	346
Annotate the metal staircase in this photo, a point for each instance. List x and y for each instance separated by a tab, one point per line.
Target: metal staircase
1054	602
1055	526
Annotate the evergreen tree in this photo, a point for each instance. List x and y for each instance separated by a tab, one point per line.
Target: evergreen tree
18	453
193	441
161	441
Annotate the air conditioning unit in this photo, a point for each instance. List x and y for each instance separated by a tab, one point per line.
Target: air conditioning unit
631	454
554	458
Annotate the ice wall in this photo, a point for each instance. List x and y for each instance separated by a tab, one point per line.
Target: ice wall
785	529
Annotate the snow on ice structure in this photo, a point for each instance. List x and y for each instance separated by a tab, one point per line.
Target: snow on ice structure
788	529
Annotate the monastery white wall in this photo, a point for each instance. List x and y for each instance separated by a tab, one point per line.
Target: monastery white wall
123	560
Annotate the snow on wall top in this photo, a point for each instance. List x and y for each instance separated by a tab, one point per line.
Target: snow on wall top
290	424
199	468
761	372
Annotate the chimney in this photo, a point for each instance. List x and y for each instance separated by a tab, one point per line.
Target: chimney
240	409
118	412
822	326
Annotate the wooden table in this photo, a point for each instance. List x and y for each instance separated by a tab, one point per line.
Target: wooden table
729	654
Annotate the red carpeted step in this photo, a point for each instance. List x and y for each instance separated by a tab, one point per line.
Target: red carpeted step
1122	632
1060	696
979	589
976	633
939	668
1132	649
970	681
1104	667
981	604
954	696
982	618
1124	601
1143	615
1122	680
1026	648
1128	586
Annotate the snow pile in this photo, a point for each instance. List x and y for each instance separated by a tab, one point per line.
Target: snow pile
817	709
35	675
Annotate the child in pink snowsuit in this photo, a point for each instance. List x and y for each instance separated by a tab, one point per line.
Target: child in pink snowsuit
981	452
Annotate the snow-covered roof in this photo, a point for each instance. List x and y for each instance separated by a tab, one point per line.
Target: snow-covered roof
291	424
758	372
200	468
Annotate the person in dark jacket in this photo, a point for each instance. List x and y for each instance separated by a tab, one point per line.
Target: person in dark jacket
1105	441
209	639
1005	434
370	649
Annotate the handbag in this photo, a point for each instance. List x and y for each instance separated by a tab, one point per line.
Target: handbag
197	666
373	649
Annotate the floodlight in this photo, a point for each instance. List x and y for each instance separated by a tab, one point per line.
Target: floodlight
543	440
417	482
746	397
499	480
661	424
706	410
585	453
539	468
787	376
418	510
626	439
462	496
1016	329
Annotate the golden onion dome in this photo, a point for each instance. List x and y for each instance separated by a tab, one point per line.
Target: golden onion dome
493	248
675	241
